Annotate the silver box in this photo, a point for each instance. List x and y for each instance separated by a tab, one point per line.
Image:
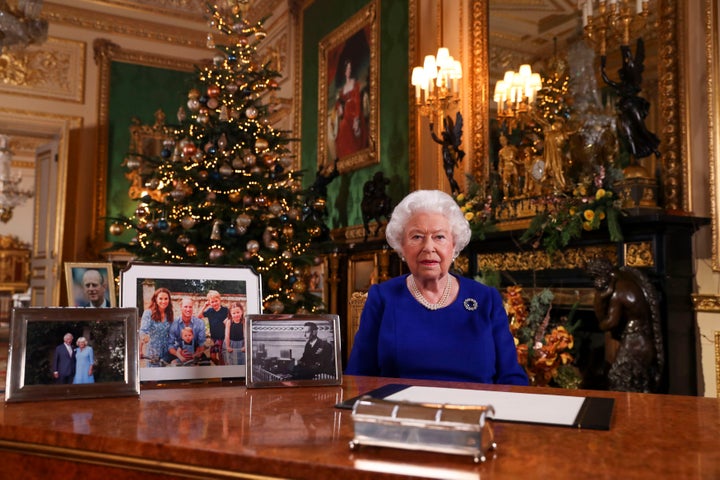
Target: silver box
456	429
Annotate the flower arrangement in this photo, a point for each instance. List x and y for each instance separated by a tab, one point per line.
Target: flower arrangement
477	206
544	347
564	217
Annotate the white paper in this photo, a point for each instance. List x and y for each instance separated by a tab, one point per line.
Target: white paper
514	407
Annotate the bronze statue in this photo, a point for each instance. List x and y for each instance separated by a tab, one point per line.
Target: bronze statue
632	109
376	203
450	142
626	305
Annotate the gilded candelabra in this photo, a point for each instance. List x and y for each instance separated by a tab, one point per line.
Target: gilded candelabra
608	20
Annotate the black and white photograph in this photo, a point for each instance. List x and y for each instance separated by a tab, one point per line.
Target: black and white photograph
293	350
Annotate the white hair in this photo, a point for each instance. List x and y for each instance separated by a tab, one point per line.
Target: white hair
427	201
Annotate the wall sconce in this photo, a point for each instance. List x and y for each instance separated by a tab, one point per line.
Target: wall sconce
605	20
515	94
437	83
10	195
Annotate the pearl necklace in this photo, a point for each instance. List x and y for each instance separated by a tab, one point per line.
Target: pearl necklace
420	298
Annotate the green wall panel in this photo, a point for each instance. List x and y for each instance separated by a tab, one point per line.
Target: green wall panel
136	91
345	192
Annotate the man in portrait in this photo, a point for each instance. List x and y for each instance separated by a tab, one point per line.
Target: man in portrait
93	284
318	356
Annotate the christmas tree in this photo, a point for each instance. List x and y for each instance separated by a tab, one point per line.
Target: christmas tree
223	189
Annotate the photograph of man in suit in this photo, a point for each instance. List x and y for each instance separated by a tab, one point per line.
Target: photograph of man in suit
318	356
64	361
93	284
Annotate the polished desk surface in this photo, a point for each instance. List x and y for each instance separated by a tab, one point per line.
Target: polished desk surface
228	431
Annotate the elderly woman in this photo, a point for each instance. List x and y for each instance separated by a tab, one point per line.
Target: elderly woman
431	324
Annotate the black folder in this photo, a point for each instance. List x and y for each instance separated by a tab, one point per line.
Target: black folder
595	412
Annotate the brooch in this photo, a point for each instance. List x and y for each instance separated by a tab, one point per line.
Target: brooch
470	304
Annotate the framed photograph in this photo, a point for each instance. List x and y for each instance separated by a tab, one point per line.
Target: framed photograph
191	318
60	353
90	285
293	350
348	93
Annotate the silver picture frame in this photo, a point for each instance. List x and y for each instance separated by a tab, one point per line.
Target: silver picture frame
36	334
236	284
282	353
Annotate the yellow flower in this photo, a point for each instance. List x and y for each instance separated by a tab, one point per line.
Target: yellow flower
460	197
589	215
469	216
601	214
600	193
573	210
586	226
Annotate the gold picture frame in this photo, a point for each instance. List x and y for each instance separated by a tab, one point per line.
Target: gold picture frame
36	341
77	294
348	103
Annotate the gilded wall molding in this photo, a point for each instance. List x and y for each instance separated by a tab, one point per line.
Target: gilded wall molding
55	70
712	51
106	23
706	303
413	46
571	258
674	175
479	86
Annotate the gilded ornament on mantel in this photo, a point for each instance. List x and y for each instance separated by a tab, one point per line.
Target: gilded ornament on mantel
539	260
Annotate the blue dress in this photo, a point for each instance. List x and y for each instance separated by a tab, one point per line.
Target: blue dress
159	333
469	340
83	358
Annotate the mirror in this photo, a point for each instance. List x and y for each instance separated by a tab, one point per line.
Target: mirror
506	34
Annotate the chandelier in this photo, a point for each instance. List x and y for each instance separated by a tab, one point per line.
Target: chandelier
22	25
10	195
607	20
437	83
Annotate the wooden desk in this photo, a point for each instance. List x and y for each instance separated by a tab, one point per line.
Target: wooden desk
231	432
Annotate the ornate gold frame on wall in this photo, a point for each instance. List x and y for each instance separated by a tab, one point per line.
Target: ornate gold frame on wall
712	51
105	52
671	101
367	16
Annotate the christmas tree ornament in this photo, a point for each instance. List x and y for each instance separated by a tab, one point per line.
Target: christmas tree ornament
181	115
251	112
132	162
183	240
276	306
216	254
193	102
234	197
222	141
187	222
213	91
243	220
226	170
249	159
273	245
231	230
261	200
231	88
299	286
191	250
224	116
288	231
253	246
275	208
286	254
189	149
116	228
178	194
141	211
215	234
213	103
261	144
238	163
162	225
